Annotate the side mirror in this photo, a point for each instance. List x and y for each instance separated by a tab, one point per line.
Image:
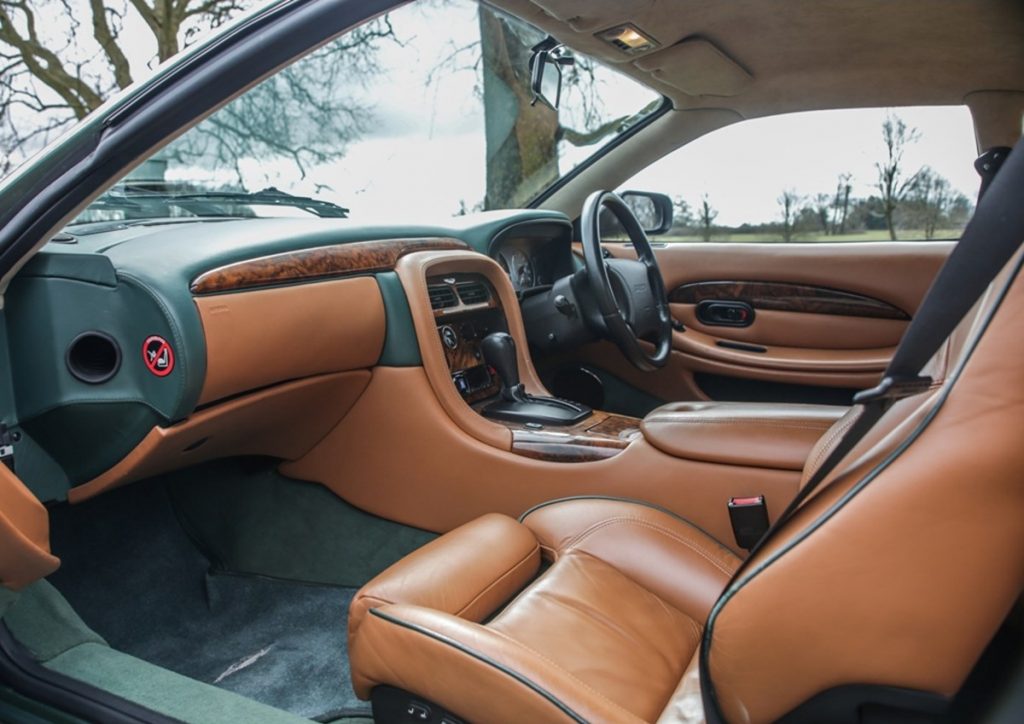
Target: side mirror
653	211
546	71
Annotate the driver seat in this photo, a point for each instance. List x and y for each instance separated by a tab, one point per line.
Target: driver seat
879	594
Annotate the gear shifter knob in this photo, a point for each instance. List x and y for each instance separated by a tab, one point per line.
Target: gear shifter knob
499	351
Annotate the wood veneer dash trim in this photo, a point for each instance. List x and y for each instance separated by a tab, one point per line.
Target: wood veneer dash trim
358	257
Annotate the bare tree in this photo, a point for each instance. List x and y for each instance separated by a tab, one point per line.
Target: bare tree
841	205
789	203
893	182
935	204
706	215
821	205
61	60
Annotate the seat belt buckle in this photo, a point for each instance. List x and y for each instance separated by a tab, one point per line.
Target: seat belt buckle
892	389
749	518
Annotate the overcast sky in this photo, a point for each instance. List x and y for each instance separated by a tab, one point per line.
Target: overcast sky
423	153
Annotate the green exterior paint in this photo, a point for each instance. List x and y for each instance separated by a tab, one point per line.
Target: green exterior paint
16	709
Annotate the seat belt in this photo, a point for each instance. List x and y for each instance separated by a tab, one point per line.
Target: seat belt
991	238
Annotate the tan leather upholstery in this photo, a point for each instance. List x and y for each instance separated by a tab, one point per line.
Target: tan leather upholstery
739	433
936	539
24	534
468	573
895	573
294	331
607	631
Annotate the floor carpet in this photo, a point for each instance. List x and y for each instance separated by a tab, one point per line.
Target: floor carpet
135	578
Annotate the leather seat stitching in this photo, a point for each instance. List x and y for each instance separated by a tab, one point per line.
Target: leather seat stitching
826	447
565	671
499	579
607	522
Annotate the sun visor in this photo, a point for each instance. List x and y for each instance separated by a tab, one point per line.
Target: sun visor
698	68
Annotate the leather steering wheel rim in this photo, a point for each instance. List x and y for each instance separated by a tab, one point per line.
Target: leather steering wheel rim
616	324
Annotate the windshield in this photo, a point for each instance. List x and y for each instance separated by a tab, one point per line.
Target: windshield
424	112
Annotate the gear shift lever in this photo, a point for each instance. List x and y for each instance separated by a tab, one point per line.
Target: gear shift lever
514	405
500	353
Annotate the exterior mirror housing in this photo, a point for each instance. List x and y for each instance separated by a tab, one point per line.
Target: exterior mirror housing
654	211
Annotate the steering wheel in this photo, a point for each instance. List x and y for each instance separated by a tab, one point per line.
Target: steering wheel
630	295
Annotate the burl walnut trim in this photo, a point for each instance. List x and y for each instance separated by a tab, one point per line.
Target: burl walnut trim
600	436
358	257
788	297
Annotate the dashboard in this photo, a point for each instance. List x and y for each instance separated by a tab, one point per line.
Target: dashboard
161	329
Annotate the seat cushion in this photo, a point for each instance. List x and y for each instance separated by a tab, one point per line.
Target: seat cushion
604	634
614	636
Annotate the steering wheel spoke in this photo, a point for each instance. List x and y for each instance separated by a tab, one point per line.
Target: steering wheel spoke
643	314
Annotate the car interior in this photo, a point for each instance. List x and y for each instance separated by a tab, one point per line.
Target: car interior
508	466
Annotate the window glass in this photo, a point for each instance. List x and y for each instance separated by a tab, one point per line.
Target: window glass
843	175
423	112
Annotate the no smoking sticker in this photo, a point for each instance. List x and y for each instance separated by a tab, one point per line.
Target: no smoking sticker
158	356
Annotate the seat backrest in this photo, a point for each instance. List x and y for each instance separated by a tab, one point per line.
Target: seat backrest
896	573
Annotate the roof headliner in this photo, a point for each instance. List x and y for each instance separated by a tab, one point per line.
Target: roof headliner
811	54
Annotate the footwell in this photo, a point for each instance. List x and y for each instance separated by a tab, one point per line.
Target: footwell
136	579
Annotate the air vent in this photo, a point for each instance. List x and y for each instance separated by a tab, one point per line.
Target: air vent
473	293
442	296
93	357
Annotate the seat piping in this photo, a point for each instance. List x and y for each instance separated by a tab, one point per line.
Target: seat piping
564	708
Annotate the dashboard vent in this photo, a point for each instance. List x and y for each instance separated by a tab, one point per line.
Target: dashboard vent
473	293
442	296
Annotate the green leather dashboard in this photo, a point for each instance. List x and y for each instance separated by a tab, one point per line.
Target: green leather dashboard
130	280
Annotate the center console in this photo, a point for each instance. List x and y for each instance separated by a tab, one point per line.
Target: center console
482	356
466	309
423	445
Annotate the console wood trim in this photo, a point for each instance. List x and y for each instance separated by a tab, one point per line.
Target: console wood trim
600	436
358	257
788	297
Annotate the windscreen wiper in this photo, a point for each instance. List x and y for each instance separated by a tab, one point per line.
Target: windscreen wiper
135	197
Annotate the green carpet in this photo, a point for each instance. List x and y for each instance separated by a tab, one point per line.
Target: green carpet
248	518
228	574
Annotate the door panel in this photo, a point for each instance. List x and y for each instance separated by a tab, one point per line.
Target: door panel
824	315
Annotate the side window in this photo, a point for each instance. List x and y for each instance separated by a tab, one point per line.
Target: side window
845	175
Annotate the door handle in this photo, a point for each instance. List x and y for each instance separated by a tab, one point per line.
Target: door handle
717	313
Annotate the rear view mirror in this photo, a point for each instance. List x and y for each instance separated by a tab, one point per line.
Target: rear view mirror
653	211
546	71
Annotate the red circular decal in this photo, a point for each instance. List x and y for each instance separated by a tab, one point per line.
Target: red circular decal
158	356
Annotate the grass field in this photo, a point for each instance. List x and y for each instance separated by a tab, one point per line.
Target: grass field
883	235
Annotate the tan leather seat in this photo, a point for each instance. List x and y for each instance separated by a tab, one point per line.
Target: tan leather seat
606	631
891	578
